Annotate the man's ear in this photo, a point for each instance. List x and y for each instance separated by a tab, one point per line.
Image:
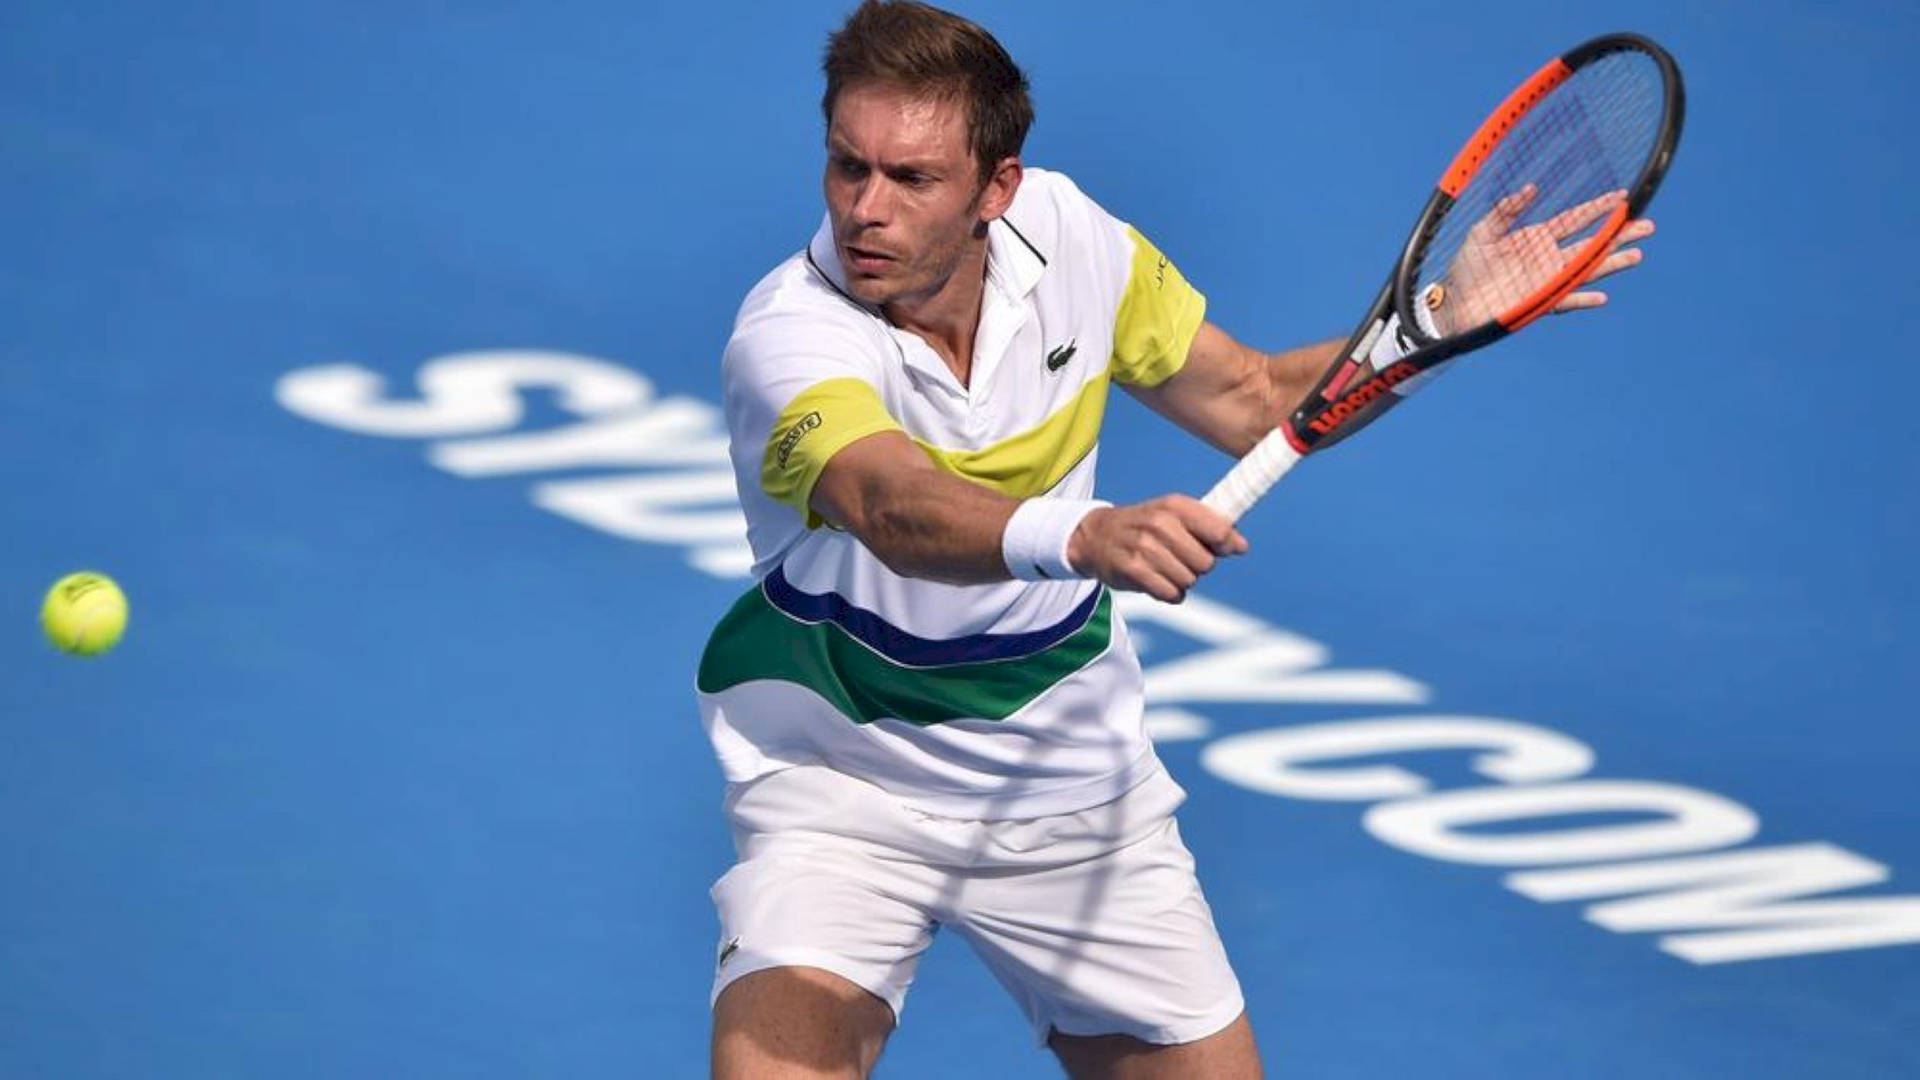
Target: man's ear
997	194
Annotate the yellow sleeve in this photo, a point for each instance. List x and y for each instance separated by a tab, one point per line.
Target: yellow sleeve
1159	315
818	423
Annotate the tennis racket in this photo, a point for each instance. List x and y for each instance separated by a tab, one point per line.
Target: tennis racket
1526	211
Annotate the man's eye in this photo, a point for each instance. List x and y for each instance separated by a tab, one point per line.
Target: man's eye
851	169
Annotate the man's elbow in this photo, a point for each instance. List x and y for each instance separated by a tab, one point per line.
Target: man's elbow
874	514
1259	417
886	529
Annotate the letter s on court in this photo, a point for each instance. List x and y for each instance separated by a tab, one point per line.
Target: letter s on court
461	394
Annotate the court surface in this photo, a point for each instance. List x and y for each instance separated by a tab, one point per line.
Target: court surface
398	771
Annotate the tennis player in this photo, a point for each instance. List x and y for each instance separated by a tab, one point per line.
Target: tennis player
927	710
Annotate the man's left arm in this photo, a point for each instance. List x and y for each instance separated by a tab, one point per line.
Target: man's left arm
1232	395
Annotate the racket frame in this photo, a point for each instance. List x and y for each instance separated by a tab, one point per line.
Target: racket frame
1337	406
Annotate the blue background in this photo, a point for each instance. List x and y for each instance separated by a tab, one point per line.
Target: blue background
397	775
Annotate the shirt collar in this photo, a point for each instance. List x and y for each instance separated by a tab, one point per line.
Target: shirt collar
1013	263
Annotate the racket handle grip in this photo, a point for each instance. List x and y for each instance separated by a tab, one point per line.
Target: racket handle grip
1250	478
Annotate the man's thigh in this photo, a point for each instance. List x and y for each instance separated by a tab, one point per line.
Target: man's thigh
1123	943
821	930
1225	1055
797	1022
808	892
814	965
805	904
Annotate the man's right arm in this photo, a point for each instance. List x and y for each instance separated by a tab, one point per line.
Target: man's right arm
923	521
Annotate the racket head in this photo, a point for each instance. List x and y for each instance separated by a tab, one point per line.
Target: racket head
1592	135
1546	183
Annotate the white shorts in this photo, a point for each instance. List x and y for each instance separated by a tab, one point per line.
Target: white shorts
1094	921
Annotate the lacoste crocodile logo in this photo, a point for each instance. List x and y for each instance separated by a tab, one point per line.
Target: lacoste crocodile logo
1058	358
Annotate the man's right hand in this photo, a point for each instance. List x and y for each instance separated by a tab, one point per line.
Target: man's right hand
1159	547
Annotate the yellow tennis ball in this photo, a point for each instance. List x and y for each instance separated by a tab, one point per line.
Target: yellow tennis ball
85	613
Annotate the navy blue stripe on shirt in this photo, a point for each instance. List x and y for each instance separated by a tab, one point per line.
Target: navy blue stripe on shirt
910	650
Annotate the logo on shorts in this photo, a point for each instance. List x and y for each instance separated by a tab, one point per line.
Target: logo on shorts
727	951
793	436
1058	358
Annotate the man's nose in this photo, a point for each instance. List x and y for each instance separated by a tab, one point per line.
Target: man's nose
874	199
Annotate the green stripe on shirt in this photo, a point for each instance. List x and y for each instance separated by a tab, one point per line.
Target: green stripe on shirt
756	640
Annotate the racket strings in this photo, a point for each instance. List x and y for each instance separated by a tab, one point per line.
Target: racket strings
1591	136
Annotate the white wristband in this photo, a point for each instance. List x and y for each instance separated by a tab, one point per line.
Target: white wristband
1034	544
1424	307
1392	344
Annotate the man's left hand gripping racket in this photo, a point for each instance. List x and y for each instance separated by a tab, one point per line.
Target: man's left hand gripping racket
1527	211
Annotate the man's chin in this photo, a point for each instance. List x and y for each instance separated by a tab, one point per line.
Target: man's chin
871	291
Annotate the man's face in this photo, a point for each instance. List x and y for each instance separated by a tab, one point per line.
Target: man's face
903	191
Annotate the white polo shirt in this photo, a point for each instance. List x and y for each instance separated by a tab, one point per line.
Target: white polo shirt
1007	700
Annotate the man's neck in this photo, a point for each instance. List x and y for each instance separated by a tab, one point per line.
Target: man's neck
948	318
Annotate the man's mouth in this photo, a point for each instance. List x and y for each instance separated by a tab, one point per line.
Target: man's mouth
866	259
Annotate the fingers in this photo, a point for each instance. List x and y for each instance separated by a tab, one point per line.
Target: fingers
1163	546
1579	301
1171	550
1509	209
1631	233
1637	229
1162	587
1621	258
1208	525
1616	262
1192	556
1192	537
1574	218
1504	213
1160	573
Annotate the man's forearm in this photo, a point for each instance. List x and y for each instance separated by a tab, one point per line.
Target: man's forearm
923	521
1232	395
1289	376
1294	372
943	529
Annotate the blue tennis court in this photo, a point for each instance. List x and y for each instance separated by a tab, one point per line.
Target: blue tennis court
1561	725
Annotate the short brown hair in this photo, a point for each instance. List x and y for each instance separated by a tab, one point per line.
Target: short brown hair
926	50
